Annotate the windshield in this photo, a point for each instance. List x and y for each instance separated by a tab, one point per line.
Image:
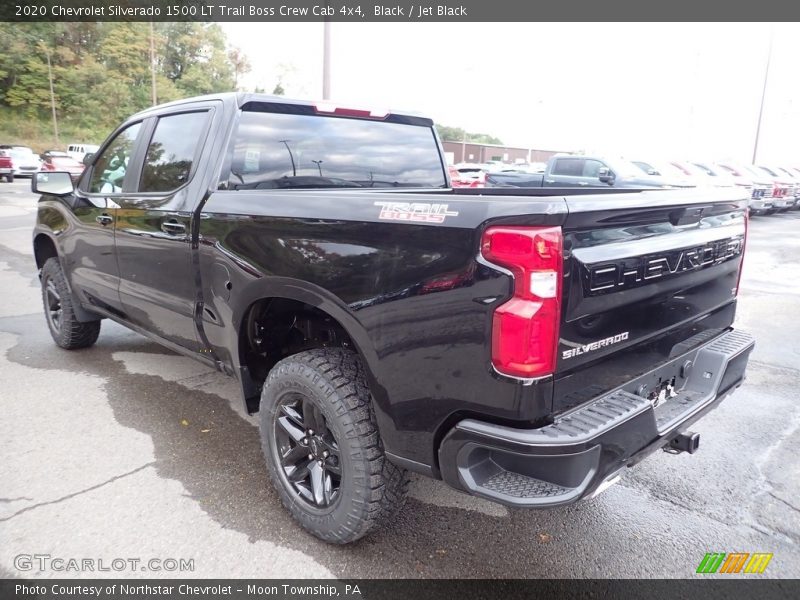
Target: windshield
277	150
711	172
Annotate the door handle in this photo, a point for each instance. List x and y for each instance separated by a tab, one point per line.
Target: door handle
549	180
583	183
173	227
104	219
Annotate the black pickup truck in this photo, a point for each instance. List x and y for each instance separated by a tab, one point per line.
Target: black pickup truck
572	170
524	347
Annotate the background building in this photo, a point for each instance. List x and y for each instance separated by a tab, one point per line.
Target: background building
479	153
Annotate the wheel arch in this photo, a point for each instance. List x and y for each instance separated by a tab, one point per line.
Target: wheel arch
282	294
44	247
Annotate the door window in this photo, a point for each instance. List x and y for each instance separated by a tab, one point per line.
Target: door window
109	169
171	151
572	167
592	167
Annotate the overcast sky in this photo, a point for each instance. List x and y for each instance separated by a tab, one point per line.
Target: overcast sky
639	90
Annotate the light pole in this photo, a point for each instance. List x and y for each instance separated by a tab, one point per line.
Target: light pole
763	95
319	166
291	156
52	95
326	59
153	94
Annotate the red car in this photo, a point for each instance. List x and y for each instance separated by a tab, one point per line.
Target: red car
6	166
63	163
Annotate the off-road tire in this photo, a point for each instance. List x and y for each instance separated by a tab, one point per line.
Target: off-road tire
372	490
67	331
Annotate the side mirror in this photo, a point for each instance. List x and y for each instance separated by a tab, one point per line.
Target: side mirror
54	183
605	175
88	158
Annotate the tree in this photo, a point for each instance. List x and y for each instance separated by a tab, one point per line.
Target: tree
240	64
457	134
101	72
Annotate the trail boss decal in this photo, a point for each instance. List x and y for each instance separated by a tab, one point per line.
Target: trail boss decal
417	212
584	348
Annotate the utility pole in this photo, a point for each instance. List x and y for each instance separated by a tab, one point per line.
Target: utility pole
52	95
326	59
153	65
763	95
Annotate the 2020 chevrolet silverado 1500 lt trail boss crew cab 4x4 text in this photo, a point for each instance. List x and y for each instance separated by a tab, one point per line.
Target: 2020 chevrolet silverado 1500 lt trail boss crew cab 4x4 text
524	346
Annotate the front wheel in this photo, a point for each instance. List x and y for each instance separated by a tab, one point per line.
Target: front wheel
65	328
10	178
322	446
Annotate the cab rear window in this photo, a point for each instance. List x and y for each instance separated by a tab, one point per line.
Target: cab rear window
282	151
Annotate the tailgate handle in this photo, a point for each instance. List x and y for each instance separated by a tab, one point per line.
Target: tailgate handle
686	216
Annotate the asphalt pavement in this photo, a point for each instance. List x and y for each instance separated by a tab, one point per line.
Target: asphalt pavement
128	451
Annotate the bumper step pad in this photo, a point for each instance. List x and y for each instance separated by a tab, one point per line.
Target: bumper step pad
587	447
522	486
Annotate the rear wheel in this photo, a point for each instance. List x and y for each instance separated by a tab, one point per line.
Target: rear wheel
322	446
67	331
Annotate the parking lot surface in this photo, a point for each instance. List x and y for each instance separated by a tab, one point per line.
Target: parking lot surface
126	450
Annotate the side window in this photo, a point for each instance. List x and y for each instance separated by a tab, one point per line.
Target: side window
572	167
592	167
110	167
171	151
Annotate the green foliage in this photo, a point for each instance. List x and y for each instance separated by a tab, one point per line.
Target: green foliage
457	134
102	73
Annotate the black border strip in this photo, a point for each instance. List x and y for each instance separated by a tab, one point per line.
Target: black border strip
740	587
409	11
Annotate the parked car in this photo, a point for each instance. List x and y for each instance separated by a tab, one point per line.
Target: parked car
783	187
63	163
672	173
761	199
568	170
79	150
707	177
457	181
794	174
47	153
524	346
25	162
470	174
6	166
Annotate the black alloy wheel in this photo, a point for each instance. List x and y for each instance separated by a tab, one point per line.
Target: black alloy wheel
307	451
52	304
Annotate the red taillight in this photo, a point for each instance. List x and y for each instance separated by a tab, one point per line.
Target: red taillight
525	328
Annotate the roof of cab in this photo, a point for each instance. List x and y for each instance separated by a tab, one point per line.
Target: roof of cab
242	98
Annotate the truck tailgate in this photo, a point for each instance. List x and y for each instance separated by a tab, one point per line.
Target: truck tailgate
647	277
